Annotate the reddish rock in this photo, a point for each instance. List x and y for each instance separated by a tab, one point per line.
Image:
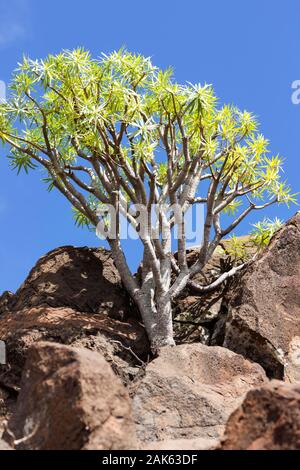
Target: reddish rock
189	391
264	307
72	296
268	419
70	399
84	279
119	341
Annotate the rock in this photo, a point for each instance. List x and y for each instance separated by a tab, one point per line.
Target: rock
7	406
5	300
4	445
197	317
264	307
189	391
72	296
120	342
268	419
183	444
70	400
84	279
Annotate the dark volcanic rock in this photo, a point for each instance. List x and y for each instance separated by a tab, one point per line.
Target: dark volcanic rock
268	419
264	308
118	341
189	391
70	399
84	279
72	296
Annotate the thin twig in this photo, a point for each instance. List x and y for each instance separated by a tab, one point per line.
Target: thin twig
127	348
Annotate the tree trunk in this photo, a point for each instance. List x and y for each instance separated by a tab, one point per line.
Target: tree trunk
154	303
158	322
163	334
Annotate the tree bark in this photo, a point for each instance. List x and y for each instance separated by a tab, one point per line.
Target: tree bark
163	334
153	303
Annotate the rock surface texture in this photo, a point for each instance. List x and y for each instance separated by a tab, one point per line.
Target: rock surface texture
97	332
70	399
268	419
4	445
189	391
72	296
264	308
81	278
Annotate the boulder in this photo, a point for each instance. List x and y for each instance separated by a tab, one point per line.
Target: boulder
84	279
72	296
70	399
263	321
268	419
189	391
123	343
4	445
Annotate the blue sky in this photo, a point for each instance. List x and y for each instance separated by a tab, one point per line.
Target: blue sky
249	51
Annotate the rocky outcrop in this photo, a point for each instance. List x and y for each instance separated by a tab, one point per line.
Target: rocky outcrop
84	279
189	391
124	344
70	399
264	308
268	419
72	296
